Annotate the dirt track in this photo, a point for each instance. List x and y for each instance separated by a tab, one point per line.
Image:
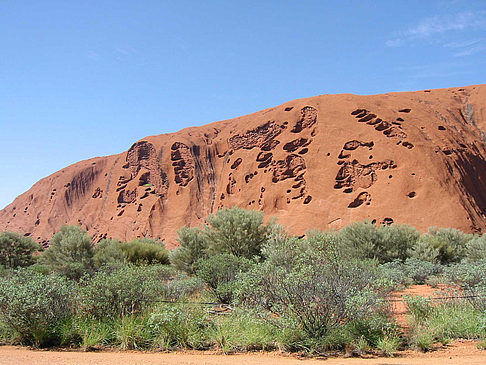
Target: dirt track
458	353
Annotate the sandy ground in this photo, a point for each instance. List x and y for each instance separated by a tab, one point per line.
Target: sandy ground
457	353
399	308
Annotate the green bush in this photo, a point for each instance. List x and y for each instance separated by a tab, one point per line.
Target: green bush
32	305
182	287
419	271
373	329
191	248
443	321
139	252
236	231
444	246
16	250
469	277
132	332
384	243
319	289
476	249
123	291
219	272
411	271
89	333
70	253
179	326
243	330
3	271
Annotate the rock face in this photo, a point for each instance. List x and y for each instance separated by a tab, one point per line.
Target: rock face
323	162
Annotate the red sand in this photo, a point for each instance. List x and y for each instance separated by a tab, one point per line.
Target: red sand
457	353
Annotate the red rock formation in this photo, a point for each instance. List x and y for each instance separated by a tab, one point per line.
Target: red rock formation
320	162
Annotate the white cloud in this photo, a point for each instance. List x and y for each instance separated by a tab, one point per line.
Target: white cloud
440	24
466	47
469	51
429	27
462	44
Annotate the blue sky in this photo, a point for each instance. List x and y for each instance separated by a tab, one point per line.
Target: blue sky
80	79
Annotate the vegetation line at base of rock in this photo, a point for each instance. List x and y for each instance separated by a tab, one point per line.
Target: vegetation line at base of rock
327	292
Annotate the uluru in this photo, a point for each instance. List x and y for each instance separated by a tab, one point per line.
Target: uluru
416	158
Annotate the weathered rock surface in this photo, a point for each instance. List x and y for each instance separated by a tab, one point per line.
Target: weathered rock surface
322	162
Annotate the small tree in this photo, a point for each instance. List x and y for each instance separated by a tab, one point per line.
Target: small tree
233	231
115	292
320	288
191	248
70	253
32	304
16	250
219	272
476	249
140	251
383	243
443	245
236	231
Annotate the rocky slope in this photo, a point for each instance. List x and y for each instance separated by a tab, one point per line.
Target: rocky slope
321	162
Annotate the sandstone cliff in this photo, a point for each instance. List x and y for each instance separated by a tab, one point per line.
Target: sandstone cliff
321	162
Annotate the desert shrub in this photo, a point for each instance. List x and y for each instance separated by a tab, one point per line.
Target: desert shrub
395	272
444	321
418	271
373	329
7	334
469	277
244	330
40	268
319	288
139	252
219	272
419	307
16	250
108	252
434	281
182	287
32	305
191	248
384	243
388	345
179	326
132	332
444	246
70	253
3	271
236	231
89	333
411	271
146	251
124	291
476	249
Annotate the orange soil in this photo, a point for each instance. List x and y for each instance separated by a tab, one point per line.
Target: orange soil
457	353
399	308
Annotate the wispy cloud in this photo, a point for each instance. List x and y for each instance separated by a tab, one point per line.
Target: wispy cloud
427	28
94	56
466	47
462	44
469	51
440	24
